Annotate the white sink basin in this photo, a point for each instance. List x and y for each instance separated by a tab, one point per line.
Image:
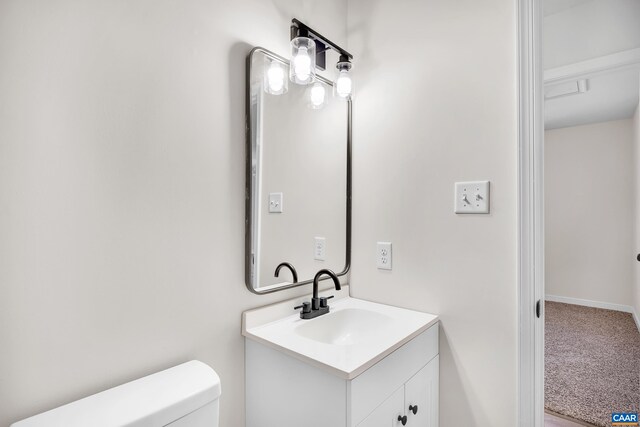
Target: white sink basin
350	326
348	340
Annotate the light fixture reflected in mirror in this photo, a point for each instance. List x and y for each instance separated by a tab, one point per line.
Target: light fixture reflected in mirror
303	61
275	78
317	96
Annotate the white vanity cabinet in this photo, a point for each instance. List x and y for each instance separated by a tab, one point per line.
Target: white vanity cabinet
388	413
284	391
417	400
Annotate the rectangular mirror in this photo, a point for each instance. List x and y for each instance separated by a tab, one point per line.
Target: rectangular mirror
298	176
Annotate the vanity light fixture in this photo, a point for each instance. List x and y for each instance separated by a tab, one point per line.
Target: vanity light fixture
309	51
303	60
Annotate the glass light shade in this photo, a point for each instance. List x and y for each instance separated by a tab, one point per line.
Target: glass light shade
318	96
303	61
343	86
275	78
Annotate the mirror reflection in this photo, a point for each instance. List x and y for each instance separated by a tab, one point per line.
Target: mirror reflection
297	176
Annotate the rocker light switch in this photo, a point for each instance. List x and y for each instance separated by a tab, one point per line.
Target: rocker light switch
472	197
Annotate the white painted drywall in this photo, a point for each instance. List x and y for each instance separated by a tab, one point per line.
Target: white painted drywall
590	30
584	31
552	7
611	96
589	212
436	103
122	174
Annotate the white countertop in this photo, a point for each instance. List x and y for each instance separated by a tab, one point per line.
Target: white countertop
345	357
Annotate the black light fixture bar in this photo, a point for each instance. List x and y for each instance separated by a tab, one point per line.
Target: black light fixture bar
298	29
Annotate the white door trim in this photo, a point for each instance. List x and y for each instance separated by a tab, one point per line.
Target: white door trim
530	215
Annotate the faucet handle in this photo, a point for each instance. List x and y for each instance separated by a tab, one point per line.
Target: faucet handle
323	301
306	307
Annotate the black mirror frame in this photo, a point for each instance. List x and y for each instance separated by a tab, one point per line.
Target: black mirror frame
250	189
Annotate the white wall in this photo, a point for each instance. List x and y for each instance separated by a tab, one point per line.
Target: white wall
590	30
122	190
589	218
436	103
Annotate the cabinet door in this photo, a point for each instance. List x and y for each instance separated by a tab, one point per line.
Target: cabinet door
386	415
421	396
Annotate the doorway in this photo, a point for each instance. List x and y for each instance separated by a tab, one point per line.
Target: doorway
579	202
591	62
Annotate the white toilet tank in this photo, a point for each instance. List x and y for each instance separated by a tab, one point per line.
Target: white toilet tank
186	395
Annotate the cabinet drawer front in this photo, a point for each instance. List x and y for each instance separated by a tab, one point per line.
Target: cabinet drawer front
374	386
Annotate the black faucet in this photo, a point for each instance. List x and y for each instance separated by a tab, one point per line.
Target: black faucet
318	306
294	273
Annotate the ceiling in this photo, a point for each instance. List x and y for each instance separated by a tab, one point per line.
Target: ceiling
596	40
552	7
610	96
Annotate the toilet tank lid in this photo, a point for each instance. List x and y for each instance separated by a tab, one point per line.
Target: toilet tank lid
154	400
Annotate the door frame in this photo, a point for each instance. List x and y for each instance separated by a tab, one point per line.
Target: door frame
530	215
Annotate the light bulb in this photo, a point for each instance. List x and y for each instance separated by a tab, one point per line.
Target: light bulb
344	86
275	79
317	96
302	64
303	60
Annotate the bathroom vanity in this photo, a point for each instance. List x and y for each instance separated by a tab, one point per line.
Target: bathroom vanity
363	364
355	363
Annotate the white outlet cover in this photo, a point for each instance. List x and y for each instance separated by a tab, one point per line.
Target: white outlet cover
319	248
472	197
384	256
275	203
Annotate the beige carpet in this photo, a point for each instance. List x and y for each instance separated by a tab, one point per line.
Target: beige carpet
553	420
592	362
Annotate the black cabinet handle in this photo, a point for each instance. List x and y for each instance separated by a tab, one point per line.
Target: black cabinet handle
413	409
638	257
402	419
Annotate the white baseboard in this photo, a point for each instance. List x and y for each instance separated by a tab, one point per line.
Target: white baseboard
596	304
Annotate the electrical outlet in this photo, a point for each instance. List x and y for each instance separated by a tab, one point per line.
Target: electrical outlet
320	248
383	256
275	202
472	197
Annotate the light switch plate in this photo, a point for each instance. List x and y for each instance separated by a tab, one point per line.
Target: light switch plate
472	197
275	202
383	256
320	249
